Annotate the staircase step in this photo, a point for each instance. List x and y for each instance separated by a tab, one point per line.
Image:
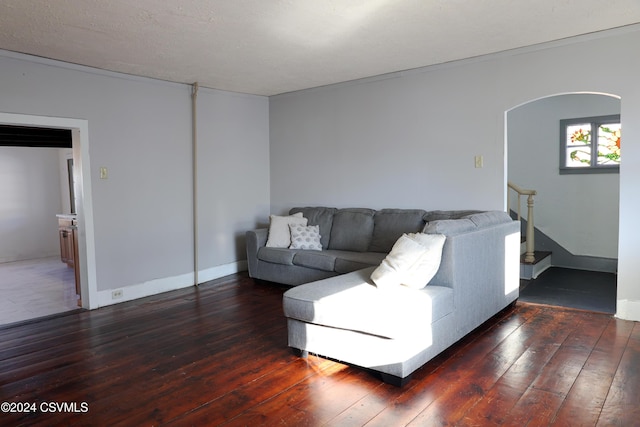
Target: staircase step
538	256
531	270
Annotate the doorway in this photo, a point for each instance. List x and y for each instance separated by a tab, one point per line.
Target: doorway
82	191
576	215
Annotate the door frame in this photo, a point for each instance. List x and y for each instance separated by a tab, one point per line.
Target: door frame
84	201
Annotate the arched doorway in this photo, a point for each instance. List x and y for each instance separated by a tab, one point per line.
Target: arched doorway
576	215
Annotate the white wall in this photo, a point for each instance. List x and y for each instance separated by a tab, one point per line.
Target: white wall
409	139
580	212
140	129
29	201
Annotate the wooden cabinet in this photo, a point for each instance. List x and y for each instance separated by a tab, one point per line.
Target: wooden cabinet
66	245
68	232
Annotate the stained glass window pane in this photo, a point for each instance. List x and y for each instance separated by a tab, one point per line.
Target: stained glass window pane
578	157
579	134
609	144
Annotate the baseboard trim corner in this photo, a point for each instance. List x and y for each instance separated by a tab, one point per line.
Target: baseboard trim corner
628	310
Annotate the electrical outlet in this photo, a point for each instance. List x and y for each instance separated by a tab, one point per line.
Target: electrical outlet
479	161
117	294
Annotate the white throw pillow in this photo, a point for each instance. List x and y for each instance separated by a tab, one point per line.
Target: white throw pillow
427	265
305	237
279	233
391	271
412	262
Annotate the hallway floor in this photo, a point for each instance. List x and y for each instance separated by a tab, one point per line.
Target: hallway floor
35	288
565	287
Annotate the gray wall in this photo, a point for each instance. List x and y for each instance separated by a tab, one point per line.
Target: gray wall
409	139
389	142
140	129
29	201
580	212
233	173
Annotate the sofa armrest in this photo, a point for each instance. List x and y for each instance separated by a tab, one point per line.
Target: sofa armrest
482	266
255	240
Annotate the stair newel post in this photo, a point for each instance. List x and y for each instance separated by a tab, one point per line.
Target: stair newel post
529	254
530	244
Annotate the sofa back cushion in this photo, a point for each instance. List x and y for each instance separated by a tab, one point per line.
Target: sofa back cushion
440	215
320	216
352	229
391	224
465	223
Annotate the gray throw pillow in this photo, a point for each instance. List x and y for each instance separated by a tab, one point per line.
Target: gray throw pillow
305	237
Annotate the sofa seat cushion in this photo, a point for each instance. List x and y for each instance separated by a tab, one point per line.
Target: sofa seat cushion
347	261
352	302
320	260
277	255
330	260
338	261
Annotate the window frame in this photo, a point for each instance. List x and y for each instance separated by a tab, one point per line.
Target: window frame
594	167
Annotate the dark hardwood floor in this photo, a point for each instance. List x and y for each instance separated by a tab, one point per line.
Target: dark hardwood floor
217	355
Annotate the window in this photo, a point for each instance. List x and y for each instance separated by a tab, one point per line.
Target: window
590	145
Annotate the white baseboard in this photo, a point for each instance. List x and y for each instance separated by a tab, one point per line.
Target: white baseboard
221	271
166	284
17	258
628	310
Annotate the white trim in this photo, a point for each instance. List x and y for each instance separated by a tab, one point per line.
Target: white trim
221	271
18	258
158	286
628	310
87	250
152	287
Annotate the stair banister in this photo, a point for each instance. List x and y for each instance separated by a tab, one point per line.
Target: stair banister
530	239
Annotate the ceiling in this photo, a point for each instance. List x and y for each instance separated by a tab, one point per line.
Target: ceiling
268	47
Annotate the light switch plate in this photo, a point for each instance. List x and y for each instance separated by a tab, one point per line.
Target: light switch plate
104	173
479	161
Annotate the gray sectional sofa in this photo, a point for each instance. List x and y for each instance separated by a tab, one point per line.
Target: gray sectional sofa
337	311
352	239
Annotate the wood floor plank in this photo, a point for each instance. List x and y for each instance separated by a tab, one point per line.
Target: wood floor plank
584	401
219	406
561	371
535	408
198	383
109	356
622	406
447	377
307	402
452	405
494	406
217	355
366	408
